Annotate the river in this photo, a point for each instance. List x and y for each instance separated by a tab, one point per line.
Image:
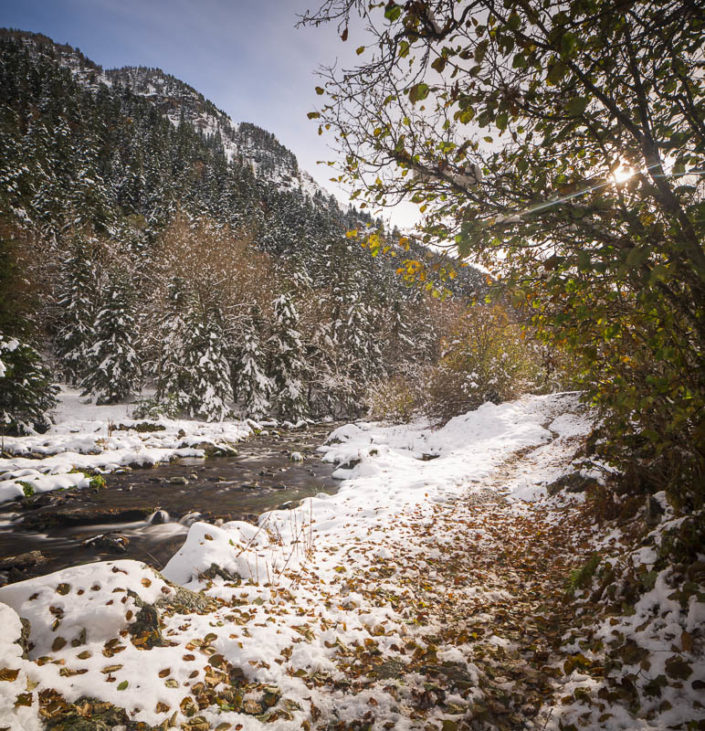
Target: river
144	514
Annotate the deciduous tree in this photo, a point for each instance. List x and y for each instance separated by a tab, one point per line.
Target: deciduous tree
560	144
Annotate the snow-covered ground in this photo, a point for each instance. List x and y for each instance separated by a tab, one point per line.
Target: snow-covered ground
87	438
388	471
308	615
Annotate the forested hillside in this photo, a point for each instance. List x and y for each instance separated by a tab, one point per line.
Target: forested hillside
148	240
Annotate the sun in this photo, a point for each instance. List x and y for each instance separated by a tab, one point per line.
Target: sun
622	173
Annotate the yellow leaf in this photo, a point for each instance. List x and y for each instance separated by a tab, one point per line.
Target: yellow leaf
8	674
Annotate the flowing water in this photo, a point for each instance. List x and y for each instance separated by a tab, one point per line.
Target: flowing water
144	514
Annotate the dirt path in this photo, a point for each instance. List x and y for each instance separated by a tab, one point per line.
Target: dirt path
482	581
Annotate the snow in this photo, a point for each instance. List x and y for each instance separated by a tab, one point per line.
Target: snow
83	598
7	346
85	439
387	483
295	593
13	686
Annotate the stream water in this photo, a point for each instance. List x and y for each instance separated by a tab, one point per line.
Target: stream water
145	513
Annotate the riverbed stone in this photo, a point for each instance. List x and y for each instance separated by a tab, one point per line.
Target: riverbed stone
22	560
146	629
112	542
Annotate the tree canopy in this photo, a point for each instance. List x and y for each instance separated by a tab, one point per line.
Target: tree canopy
561	145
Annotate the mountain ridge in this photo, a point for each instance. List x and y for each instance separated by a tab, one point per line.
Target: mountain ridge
179	101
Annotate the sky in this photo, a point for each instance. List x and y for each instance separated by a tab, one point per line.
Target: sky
246	56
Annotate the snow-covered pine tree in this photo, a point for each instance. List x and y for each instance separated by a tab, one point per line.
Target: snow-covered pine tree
172	376
115	368
27	394
254	387
287	364
356	341
324	382
400	334
76	309
210	389
360	339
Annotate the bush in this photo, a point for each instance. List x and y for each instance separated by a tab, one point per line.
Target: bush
581	578
167	407
27	488
486	357
393	399
97	482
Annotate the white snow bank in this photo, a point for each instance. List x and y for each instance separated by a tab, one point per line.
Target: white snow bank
85	438
233	547
92	601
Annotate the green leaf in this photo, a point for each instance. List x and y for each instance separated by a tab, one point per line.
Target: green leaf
577	105
464	239
556	72
464	116
568	43
439	64
123	685
514	21
392	12
418	92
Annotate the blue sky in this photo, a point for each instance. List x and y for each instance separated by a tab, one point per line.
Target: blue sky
244	55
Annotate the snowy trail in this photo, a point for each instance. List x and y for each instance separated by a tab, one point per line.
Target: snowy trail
427	593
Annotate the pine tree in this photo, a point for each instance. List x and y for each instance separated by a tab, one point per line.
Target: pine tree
253	386
77	310
115	366
210	389
172	376
357	338
27	394
324	383
287	365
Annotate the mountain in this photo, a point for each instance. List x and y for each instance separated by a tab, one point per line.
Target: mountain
179	102
151	239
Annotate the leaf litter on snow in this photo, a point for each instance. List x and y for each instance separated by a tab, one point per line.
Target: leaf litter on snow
424	594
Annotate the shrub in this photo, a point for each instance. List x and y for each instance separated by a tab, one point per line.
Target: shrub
97	482
486	357
167	407
394	399
581	578
27	488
